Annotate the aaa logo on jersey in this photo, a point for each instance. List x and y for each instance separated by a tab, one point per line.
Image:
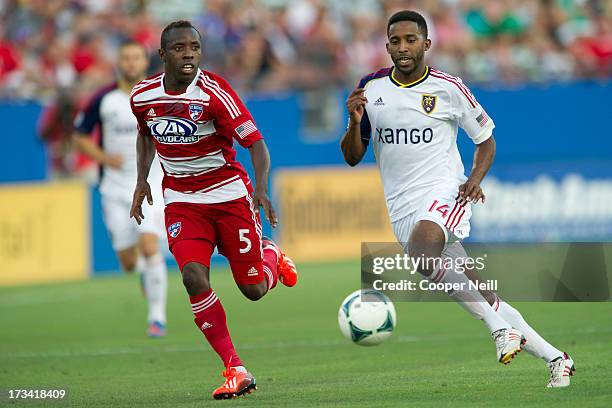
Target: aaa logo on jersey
428	102
172	130
174	229
195	111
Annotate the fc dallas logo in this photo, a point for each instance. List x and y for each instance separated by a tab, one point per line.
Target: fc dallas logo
195	111
174	229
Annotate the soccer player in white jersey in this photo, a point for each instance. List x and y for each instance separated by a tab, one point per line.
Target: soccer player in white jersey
137	246
411	113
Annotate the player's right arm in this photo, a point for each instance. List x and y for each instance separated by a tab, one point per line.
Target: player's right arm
84	124
84	143
145	152
352	145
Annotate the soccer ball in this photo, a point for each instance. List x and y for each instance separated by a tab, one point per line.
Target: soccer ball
367	317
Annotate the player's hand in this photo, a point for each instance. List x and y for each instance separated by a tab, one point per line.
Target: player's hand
355	104
470	192
142	190
114	160
260	198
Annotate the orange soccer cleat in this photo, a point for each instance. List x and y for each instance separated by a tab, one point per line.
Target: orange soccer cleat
287	272
236	383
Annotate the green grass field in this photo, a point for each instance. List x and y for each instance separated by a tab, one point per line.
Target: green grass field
89	338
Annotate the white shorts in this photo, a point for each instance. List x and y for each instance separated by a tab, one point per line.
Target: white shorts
124	230
441	207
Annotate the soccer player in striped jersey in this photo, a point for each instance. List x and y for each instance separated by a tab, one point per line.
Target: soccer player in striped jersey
410	113
191	117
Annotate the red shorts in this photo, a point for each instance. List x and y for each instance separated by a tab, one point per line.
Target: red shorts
233	226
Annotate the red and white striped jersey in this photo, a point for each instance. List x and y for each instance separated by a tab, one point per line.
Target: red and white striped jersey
194	134
413	130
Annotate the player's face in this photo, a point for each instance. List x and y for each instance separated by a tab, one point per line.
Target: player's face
133	62
407	46
182	55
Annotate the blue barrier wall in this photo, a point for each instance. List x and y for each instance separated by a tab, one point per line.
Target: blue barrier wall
24	157
554	132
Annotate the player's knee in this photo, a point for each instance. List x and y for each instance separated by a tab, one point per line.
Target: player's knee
148	250
426	242
253	292
489	296
195	278
129	266
148	245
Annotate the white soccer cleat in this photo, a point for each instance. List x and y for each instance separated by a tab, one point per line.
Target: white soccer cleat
561	369
508	342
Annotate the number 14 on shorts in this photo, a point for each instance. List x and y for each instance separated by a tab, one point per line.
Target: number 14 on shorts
442	208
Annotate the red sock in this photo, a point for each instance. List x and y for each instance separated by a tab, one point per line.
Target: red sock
210	319
270	263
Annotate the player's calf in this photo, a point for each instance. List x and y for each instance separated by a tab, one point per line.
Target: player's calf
129	260
277	265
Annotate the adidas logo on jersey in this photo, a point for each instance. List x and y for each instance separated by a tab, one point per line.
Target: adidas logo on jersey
379	102
205	326
151	112
252	272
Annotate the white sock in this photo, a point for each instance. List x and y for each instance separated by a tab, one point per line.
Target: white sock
536	345
141	265
470	299
155	280
240	369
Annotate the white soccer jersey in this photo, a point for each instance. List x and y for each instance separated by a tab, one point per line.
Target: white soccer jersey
110	110
413	129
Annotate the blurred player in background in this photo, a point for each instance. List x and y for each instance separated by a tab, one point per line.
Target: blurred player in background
192	117
411	114
136	245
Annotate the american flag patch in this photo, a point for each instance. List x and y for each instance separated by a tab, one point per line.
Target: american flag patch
245	129
482	118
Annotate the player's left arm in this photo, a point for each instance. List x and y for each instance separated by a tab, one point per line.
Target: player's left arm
234	118
260	157
470	191
479	127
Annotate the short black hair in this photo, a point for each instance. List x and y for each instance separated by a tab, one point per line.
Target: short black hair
409	15
176	24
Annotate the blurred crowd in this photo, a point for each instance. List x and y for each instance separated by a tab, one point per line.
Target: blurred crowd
60	51
50	46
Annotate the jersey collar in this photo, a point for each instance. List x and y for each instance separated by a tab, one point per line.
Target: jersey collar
410	84
189	87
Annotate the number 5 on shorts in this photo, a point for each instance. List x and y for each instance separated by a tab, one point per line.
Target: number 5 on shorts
243	238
